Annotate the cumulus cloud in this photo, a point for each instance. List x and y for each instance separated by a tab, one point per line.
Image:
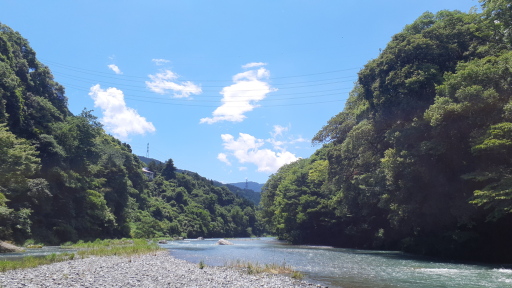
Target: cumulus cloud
249	87
223	158
248	149
118	119
160	62
164	81
114	68
253	64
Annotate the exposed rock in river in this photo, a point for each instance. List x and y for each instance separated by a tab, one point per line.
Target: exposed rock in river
224	242
6	248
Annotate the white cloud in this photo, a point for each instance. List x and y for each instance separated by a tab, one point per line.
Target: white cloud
117	117
224	158
242	96
163	82
160	62
248	149
242	168
298	140
114	68
278	130
253	64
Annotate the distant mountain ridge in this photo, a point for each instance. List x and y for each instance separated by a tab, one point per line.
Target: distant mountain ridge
252	193
256	187
148	160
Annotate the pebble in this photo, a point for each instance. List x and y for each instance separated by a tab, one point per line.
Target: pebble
151	270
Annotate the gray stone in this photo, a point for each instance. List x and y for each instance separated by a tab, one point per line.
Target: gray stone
224	242
151	270
7	248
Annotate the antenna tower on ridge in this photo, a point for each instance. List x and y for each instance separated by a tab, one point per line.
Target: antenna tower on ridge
147	152
246	184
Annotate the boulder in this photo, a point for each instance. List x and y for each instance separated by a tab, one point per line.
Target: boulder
200	238
224	242
7	248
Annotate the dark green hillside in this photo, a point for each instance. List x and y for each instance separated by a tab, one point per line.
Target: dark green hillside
62	178
255	197
419	159
156	165
146	160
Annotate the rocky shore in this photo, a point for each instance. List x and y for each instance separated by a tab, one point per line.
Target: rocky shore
153	270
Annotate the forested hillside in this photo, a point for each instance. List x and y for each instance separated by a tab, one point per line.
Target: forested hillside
420	158
62	178
255	197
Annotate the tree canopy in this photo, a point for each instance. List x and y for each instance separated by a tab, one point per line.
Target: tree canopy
418	160
62	178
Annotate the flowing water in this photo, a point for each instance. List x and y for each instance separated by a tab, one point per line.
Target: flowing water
36	252
335	267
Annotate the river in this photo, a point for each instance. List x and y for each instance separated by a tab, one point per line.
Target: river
349	268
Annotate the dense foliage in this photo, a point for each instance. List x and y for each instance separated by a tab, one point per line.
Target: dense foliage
420	157
62	178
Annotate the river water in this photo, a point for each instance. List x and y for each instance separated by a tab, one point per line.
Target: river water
35	252
335	267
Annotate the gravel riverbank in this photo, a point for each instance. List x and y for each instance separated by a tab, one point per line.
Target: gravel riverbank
153	270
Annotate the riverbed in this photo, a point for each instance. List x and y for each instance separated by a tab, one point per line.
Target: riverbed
335	267
156	270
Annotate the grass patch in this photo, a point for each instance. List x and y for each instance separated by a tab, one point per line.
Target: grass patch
122	247
31	261
256	268
115	247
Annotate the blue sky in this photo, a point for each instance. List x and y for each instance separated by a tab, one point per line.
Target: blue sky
229	89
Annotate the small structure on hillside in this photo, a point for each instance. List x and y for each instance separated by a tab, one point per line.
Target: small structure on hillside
149	175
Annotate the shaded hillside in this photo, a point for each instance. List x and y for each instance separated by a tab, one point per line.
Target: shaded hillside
158	165
255	197
420	157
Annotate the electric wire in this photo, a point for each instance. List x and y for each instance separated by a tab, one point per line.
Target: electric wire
200	98
168	101
271	98
140	77
210	96
88	80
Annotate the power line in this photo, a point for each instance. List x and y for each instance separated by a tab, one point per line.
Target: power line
268	98
219	97
88	80
180	102
92	72
215	106
129	97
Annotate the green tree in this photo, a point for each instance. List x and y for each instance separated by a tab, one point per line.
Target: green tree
169	171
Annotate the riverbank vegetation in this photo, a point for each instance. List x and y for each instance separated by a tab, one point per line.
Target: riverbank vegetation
256	268
420	157
63	178
120	247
